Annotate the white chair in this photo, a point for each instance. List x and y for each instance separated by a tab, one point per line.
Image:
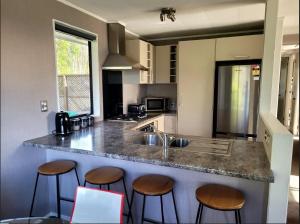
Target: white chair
97	206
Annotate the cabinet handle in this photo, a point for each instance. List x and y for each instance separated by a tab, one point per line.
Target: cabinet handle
241	56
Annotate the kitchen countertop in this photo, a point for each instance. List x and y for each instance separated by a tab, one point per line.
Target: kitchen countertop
235	158
149	117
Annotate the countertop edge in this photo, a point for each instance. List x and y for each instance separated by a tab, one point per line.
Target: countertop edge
269	179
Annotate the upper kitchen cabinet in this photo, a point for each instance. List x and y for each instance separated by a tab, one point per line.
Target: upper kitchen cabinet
143	53
165	64
196	64
239	48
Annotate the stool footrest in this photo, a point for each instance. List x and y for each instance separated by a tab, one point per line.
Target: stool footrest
66	199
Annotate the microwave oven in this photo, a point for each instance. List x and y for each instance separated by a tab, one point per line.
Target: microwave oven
156	104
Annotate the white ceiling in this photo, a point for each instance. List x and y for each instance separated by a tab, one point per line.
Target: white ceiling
289	9
142	16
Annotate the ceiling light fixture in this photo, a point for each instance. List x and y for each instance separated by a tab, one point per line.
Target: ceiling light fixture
169	12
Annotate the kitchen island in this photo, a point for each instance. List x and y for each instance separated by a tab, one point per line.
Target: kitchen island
237	163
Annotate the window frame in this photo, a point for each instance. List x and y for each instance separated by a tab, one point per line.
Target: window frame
59	27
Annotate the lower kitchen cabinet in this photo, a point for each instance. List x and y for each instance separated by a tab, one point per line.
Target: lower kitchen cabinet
159	123
164	123
170	123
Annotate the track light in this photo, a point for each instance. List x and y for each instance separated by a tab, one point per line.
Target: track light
170	12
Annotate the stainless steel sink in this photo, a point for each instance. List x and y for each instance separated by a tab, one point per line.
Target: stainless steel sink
180	143
150	139
153	139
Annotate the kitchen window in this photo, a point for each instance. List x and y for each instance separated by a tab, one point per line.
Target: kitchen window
73	51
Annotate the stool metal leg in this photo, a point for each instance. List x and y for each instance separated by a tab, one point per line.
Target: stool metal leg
35	185
77	177
108	187
236	216
197	217
162	209
100	186
201	210
130	205
84	184
143	211
177	219
126	195
239	215
57	196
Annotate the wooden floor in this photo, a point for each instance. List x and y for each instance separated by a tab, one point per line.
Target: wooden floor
293	207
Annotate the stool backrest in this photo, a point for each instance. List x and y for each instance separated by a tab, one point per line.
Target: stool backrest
97	206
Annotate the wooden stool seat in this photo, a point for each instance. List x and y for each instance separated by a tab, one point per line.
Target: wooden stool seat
220	197
104	175
153	184
57	167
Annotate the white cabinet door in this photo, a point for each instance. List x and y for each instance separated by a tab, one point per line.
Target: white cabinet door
144	78
162	64
151	63
160	123
141	52
170	124
195	83
240	48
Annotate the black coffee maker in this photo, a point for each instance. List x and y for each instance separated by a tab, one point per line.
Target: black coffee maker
62	123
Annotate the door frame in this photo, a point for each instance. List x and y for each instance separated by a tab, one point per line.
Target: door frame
229	63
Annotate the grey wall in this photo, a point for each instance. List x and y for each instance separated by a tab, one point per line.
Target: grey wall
27	76
132	93
132	90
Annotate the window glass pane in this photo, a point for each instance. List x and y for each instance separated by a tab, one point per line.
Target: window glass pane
73	74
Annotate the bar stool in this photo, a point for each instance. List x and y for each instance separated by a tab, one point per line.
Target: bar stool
106	175
219	197
153	185
55	168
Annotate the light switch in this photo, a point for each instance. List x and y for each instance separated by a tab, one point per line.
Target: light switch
44	105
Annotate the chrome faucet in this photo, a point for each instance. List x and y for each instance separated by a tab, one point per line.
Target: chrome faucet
165	139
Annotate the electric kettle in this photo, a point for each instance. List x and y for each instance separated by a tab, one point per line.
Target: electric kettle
62	123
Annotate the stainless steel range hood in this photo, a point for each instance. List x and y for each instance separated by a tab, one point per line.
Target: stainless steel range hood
116	59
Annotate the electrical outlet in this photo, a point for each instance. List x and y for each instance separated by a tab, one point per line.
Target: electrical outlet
44	105
267	137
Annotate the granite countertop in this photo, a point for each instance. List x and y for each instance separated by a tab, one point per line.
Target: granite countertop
150	116
235	158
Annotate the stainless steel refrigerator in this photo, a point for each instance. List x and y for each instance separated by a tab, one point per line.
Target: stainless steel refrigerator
236	98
